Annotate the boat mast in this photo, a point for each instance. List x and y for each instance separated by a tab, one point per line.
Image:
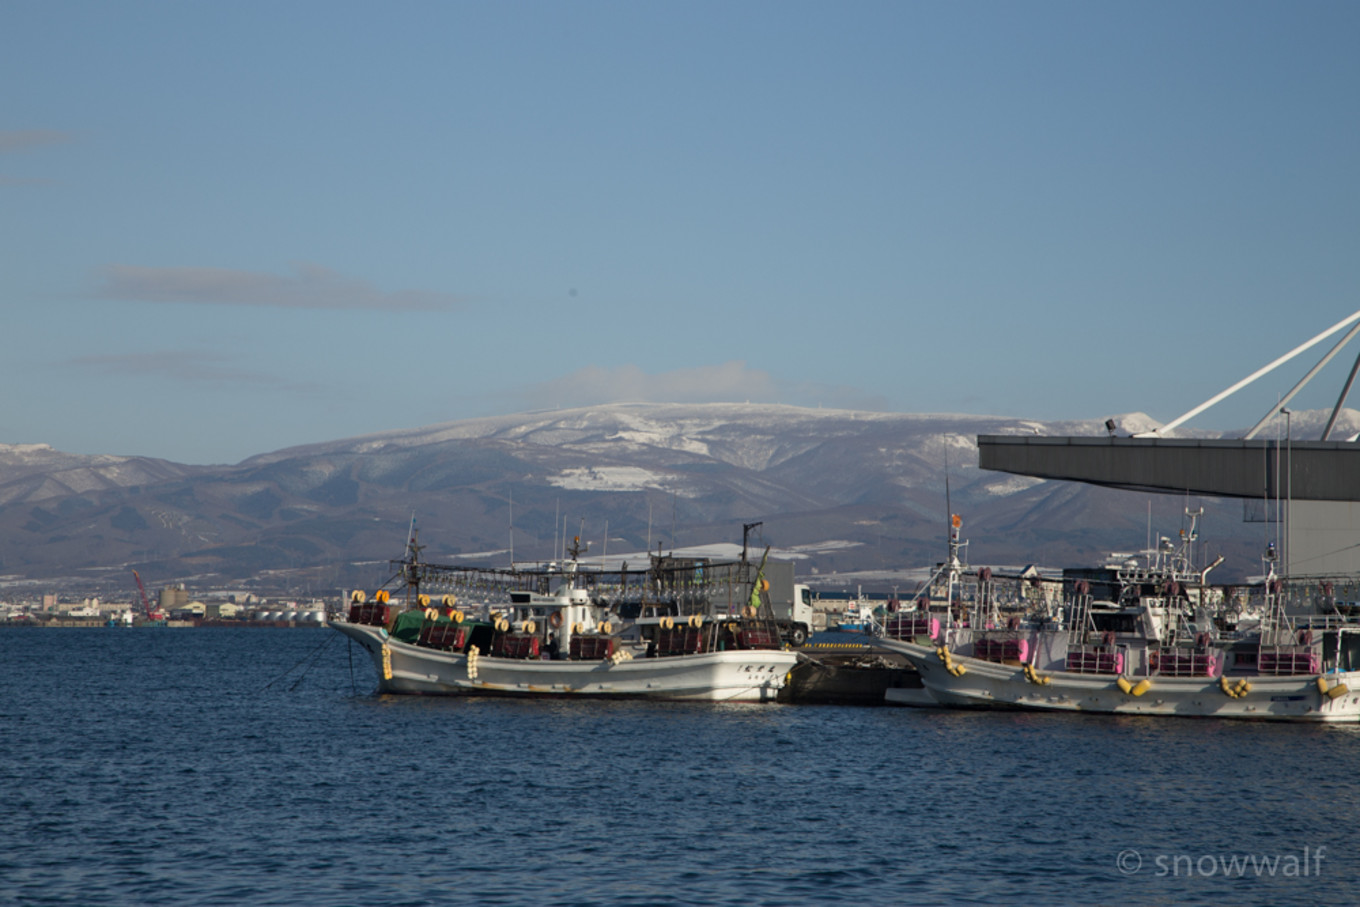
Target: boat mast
745	534
410	563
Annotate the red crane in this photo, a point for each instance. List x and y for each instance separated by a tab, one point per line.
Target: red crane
146	605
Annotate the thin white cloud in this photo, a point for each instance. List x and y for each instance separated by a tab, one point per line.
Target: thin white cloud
182	365
24	139
308	287
16	140
628	383
729	382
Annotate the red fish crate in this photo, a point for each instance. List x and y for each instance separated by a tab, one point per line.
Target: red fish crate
443	636
757	638
679	641
514	645
591	648
372	614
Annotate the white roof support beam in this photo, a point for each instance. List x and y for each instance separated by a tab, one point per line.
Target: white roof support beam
1275	410
1341	401
1254	375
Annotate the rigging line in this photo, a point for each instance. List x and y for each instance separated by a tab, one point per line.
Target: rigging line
315	658
311	654
1318	557
354	687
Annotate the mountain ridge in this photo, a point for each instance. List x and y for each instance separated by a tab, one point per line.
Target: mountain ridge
312	515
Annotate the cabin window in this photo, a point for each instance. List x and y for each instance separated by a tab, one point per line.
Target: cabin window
1118	621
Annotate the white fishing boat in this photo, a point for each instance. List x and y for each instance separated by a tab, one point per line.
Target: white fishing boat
565	642
1156	651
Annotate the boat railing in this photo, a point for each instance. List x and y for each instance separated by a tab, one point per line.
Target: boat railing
1331	621
911	625
1284	659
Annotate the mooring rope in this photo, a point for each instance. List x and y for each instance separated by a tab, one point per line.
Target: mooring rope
312	656
352	685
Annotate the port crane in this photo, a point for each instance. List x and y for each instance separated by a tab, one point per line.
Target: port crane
146	604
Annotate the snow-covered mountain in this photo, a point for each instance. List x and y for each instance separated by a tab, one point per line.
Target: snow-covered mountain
35	472
850	490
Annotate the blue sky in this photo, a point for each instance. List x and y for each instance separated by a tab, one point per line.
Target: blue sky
230	228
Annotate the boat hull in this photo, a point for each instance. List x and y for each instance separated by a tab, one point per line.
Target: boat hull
740	675
986	684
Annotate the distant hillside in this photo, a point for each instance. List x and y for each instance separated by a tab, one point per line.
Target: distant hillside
35	472
851	490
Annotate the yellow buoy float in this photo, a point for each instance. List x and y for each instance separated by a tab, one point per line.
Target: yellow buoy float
947	660
1331	692
1235	690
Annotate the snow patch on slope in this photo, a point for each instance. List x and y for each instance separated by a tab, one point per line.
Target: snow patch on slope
1010	485
666	440
615	478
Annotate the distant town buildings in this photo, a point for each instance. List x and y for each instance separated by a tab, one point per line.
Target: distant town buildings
173	601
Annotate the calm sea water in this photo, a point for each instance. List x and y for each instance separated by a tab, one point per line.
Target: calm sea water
166	766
